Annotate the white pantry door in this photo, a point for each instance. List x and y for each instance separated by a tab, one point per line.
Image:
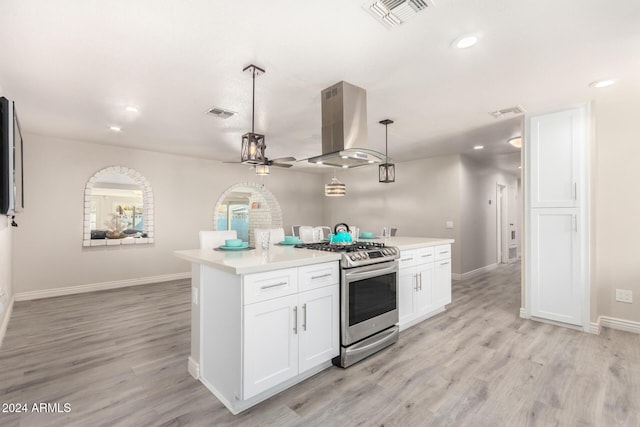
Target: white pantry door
556	281
556	220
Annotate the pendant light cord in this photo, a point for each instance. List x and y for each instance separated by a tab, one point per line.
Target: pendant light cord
253	101
386	141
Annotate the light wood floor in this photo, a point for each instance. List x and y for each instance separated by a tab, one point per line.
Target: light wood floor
119	358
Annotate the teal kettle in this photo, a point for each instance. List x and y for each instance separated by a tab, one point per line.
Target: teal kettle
341	234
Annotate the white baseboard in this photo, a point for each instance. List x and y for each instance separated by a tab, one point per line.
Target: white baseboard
594	328
5	320
193	368
470	274
91	287
620	324
523	313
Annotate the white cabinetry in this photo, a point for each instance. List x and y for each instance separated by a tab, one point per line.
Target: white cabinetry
556	218
424	284
286	335
270	346
557	143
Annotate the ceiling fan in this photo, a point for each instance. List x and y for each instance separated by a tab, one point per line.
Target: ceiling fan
253	147
263	168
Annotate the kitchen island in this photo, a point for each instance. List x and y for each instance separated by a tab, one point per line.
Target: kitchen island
264	320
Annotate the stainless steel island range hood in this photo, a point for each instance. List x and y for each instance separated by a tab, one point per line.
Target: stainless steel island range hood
344	128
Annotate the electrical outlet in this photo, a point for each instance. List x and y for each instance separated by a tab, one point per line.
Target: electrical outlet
624	295
194	295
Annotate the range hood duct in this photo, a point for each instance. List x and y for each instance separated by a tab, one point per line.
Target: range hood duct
344	128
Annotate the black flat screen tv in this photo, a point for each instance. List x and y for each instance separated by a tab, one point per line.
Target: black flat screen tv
11	162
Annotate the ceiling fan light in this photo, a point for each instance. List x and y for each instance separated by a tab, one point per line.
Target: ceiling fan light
262	170
335	188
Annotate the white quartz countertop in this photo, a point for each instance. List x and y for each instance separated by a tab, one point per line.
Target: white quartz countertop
257	260
279	257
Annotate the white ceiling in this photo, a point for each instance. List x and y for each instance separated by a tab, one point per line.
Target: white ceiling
73	66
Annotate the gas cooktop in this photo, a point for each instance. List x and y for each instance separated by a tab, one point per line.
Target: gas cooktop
357	254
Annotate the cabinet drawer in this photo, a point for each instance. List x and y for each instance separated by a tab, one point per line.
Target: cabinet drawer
318	275
272	284
407	259
443	252
425	255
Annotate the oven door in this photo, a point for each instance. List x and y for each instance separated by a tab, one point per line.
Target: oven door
369	301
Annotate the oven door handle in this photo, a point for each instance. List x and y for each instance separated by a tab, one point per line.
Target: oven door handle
371	273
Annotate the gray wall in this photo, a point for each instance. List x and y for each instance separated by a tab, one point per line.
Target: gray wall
478	185
47	247
6	258
425	195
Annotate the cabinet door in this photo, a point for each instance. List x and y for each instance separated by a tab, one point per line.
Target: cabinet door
556	144
442	283
319	326
556	292
407	290
270	353
423	301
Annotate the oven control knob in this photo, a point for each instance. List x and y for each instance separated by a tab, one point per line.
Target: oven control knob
365	255
353	257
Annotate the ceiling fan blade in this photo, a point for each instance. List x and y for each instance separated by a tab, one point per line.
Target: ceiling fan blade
281	165
283	159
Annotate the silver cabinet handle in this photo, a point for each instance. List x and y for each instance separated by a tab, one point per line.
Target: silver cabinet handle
406	259
575	191
444	263
273	286
320	276
444	252
575	222
415	278
304	317
420	281
426	255
295	320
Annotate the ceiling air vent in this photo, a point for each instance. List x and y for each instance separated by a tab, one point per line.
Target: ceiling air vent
221	112
393	13
506	111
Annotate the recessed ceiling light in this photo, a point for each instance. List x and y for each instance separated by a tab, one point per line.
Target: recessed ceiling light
370	161
478	147
344	157
319	162
115	128
602	83
464	42
519	167
516	141
345	166
131	109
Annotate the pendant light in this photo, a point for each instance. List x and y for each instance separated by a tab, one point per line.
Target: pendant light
386	171
335	188
253	145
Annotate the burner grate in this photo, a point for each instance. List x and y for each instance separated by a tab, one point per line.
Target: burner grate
332	247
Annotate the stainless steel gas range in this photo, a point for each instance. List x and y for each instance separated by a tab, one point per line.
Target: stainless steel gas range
368	298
